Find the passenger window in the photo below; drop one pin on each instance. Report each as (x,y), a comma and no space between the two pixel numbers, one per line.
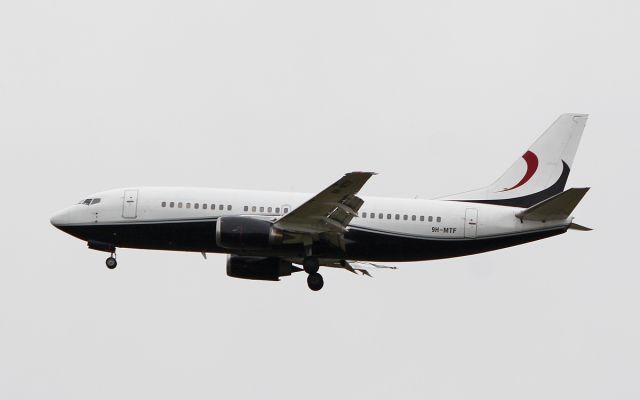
(405,217)
(388,216)
(438,219)
(171,204)
(364,215)
(95,201)
(270,209)
(188,205)
(277,210)
(430,219)
(246,208)
(220,207)
(422,218)
(253,209)
(164,204)
(381,216)
(229,207)
(372,215)
(261,209)
(286,210)
(179,204)
(213,206)
(413,217)
(196,205)
(204,206)
(397,216)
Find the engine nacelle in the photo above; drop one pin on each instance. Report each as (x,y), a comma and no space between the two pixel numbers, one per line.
(259,268)
(246,233)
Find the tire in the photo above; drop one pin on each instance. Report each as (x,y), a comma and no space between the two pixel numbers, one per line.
(111,263)
(315,282)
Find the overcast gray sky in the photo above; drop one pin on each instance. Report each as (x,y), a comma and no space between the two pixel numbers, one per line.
(437,96)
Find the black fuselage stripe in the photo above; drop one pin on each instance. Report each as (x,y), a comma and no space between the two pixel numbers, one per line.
(199,236)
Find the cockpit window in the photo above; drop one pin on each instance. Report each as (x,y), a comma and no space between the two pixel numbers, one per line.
(88,202)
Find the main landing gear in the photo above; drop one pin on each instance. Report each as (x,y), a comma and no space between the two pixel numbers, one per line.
(315,282)
(311,266)
(111,261)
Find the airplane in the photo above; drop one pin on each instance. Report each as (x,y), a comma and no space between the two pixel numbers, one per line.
(268,235)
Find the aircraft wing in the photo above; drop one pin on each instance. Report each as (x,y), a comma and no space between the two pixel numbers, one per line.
(330,211)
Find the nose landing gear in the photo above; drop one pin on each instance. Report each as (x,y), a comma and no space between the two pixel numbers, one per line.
(108,248)
(111,261)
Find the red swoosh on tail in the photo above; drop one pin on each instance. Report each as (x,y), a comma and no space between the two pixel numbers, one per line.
(532,167)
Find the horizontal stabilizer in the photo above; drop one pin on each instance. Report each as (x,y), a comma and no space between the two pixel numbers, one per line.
(557,207)
(577,227)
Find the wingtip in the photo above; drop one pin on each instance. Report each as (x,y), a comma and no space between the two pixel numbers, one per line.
(370,173)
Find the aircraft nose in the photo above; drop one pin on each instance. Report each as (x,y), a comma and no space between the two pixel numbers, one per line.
(56,220)
(60,218)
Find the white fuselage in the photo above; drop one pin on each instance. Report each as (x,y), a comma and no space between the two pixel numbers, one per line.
(410,218)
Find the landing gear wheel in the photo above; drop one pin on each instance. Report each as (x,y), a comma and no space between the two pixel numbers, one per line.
(111,263)
(315,281)
(311,265)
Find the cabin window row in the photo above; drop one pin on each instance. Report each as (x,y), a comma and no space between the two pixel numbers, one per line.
(204,206)
(269,210)
(405,217)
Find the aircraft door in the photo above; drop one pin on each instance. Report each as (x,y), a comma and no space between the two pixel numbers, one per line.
(471,223)
(130,204)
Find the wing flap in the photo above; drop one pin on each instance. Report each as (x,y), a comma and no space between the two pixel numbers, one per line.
(331,210)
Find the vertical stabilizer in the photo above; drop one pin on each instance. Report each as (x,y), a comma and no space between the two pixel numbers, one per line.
(540,173)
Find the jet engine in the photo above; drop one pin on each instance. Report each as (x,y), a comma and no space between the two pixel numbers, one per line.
(259,268)
(245,233)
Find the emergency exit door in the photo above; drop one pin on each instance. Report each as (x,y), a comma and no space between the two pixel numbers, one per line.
(471,223)
(130,204)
